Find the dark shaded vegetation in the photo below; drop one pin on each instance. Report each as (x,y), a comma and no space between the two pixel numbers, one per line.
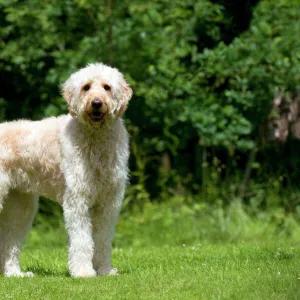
(204,74)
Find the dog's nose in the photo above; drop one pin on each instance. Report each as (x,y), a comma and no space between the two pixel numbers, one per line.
(96,103)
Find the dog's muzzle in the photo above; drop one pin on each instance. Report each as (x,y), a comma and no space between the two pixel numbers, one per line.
(97,112)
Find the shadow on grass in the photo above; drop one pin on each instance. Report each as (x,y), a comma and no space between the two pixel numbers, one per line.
(39,271)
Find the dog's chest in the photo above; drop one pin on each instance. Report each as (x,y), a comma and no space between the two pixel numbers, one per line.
(95,165)
(103,170)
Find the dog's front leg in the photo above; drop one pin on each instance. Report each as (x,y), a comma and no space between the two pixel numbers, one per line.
(105,217)
(79,228)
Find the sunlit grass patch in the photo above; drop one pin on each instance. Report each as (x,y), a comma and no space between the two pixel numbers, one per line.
(173,251)
(208,271)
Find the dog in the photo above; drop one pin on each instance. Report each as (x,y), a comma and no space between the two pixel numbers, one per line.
(79,160)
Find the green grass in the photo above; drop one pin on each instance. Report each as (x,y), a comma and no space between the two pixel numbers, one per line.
(190,272)
(170,252)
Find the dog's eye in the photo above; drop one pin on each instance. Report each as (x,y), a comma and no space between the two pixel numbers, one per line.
(107,87)
(86,87)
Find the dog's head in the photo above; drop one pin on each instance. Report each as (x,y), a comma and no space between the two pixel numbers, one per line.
(96,93)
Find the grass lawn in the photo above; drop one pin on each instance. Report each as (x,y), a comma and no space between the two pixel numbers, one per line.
(190,272)
(206,267)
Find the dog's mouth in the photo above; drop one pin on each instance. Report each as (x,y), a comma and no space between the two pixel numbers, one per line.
(96,116)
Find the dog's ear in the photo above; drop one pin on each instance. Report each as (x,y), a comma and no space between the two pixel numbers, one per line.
(66,91)
(126,94)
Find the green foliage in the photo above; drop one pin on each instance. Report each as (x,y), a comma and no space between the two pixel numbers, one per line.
(207,218)
(246,73)
(177,222)
(203,78)
(2,109)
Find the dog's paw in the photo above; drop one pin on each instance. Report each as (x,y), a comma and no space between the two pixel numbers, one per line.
(19,274)
(84,273)
(108,271)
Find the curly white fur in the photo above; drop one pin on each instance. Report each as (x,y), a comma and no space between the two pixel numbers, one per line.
(79,160)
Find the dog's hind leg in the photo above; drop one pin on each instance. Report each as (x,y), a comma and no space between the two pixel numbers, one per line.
(16,219)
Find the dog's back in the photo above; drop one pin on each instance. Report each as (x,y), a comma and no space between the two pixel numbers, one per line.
(30,155)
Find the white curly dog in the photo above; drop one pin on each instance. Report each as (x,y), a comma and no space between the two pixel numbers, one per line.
(79,160)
